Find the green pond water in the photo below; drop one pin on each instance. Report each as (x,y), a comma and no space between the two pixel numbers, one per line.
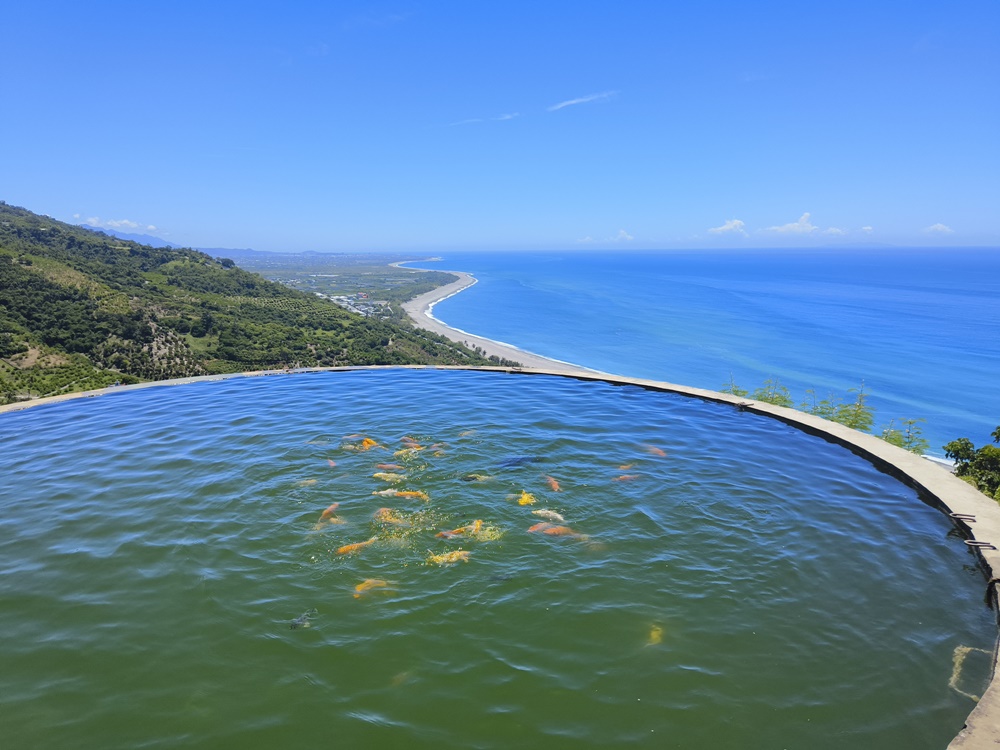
(722,580)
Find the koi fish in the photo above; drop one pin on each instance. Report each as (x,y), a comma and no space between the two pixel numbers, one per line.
(654,451)
(349,548)
(329,511)
(367,585)
(553,483)
(449,557)
(386,476)
(467,433)
(387,515)
(560,531)
(625,467)
(368,443)
(387,467)
(414,494)
(409,440)
(476,478)
(625,478)
(539,527)
(526,498)
(550,515)
(331,462)
(406,452)
(655,635)
(302,621)
(473,528)
(307,482)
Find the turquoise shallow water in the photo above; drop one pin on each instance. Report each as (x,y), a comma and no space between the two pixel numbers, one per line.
(747,586)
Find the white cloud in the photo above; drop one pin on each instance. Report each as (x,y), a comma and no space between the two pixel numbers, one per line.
(731,225)
(835,230)
(867,230)
(498,118)
(583,100)
(96,221)
(802,226)
(939,229)
(586,240)
(622,236)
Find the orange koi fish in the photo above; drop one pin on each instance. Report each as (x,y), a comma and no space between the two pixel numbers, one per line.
(329,511)
(553,483)
(349,548)
(414,494)
(389,467)
(388,515)
(654,451)
(560,531)
(331,462)
(625,478)
(539,527)
(367,585)
(625,467)
(449,557)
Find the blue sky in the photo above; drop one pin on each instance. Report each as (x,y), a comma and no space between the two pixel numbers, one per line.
(417,126)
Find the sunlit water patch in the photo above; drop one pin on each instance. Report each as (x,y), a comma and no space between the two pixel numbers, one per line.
(454,559)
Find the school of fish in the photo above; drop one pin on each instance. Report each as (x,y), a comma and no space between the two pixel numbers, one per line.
(387,519)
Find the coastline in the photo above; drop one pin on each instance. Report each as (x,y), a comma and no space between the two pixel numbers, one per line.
(421,312)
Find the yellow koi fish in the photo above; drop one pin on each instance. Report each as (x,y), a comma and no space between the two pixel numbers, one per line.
(526,498)
(655,635)
(388,515)
(357,546)
(367,585)
(449,557)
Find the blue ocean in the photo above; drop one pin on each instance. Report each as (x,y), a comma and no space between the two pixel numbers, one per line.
(919,328)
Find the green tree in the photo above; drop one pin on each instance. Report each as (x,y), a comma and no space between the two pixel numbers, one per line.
(980,468)
(734,389)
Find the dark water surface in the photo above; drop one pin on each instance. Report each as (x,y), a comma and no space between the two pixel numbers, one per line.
(754,587)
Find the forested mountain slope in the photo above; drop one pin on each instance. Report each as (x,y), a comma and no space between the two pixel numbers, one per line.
(80,310)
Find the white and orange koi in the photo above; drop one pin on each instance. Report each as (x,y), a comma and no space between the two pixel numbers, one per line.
(549,515)
(387,476)
(625,478)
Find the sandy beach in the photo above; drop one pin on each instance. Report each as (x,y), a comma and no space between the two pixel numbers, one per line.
(421,311)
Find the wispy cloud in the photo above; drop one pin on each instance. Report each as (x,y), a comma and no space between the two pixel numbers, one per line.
(802,226)
(867,230)
(622,236)
(498,118)
(938,229)
(734,226)
(837,231)
(603,96)
(96,221)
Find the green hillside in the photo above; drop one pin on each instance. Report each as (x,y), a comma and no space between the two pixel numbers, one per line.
(81,310)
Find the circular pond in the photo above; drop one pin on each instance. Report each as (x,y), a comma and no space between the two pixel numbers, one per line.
(617,566)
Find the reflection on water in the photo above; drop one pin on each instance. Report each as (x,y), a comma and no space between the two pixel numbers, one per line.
(447,559)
